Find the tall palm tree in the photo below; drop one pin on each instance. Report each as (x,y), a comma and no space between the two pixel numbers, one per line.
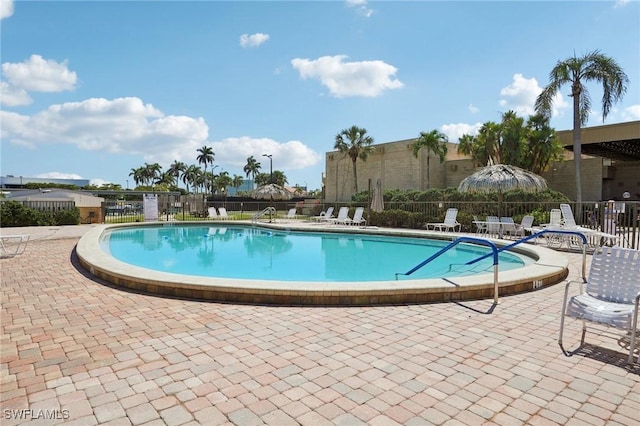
(190,176)
(252,168)
(151,173)
(177,168)
(576,71)
(435,142)
(237,181)
(205,156)
(138,175)
(354,142)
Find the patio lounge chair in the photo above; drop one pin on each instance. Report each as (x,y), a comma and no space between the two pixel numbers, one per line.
(291,214)
(595,238)
(357,217)
(611,296)
(343,216)
(212,214)
(525,227)
(13,245)
(223,213)
(493,226)
(324,216)
(450,222)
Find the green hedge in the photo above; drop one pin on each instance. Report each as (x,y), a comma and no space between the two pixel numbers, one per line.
(13,213)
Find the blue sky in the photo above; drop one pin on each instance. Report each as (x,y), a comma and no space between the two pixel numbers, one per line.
(93,89)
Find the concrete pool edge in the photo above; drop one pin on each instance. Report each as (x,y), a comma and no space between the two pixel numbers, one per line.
(549,268)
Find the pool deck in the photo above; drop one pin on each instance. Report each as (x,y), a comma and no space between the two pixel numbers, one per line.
(77,348)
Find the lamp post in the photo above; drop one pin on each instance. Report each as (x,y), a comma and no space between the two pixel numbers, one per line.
(270,166)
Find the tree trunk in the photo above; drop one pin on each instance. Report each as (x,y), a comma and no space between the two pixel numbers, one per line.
(577,146)
(355,175)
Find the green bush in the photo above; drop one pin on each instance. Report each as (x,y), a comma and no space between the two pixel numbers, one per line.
(14,213)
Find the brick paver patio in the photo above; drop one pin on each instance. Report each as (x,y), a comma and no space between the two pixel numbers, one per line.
(86,353)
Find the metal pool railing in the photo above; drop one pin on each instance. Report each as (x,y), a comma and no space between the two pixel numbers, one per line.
(494,253)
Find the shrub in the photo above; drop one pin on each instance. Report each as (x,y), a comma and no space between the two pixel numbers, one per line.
(14,213)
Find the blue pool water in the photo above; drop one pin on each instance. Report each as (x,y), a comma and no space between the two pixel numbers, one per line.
(258,253)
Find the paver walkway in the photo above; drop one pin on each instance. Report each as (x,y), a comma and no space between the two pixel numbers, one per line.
(79,350)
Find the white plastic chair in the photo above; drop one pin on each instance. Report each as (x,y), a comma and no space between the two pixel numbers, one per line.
(508,226)
(357,217)
(223,213)
(450,222)
(343,216)
(212,213)
(481,227)
(525,226)
(13,245)
(493,225)
(611,295)
(291,214)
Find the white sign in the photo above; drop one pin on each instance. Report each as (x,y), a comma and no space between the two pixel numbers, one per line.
(150,207)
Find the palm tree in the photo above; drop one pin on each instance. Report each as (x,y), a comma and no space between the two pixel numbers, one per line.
(151,173)
(252,168)
(176,169)
(237,181)
(435,142)
(593,66)
(138,175)
(205,157)
(356,144)
(190,176)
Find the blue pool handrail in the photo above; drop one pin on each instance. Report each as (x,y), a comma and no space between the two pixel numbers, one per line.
(494,252)
(535,236)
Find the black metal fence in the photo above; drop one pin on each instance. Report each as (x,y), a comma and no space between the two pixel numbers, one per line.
(625,224)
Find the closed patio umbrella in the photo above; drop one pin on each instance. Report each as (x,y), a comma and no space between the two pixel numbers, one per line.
(377,205)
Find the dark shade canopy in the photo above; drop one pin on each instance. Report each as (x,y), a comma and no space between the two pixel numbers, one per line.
(502,177)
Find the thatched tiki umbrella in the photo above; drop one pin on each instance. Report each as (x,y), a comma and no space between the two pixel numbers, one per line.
(502,177)
(271,192)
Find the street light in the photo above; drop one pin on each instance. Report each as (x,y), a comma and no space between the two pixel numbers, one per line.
(270,166)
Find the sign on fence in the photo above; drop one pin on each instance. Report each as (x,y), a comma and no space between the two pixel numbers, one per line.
(150,207)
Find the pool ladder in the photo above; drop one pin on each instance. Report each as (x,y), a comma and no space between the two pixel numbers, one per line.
(494,253)
(270,210)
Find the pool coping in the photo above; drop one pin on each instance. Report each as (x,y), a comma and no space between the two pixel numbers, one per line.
(550,267)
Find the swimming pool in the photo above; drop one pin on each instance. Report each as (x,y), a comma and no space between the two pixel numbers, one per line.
(544,267)
(245,252)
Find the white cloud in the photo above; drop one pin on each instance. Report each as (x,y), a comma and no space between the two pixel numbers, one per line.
(521,97)
(455,130)
(40,75)
(253,40)
(473,109)
(344,79)
(631,113)
(123,125)
(291,155)
(6,8)
(58,175)
(622,3)
(13,96)
(361,7)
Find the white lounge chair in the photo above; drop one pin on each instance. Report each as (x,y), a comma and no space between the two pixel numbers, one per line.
(212,214)
(525,226)
(291,214)
(13,245)
(594,237)
(343,216)
(450,222)
(222,211)
(611,295)
(357,217)
(324,216)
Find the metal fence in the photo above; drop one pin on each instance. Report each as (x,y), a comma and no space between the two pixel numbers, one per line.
(587,214)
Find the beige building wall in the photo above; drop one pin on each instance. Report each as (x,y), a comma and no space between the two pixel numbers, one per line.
(395,164)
